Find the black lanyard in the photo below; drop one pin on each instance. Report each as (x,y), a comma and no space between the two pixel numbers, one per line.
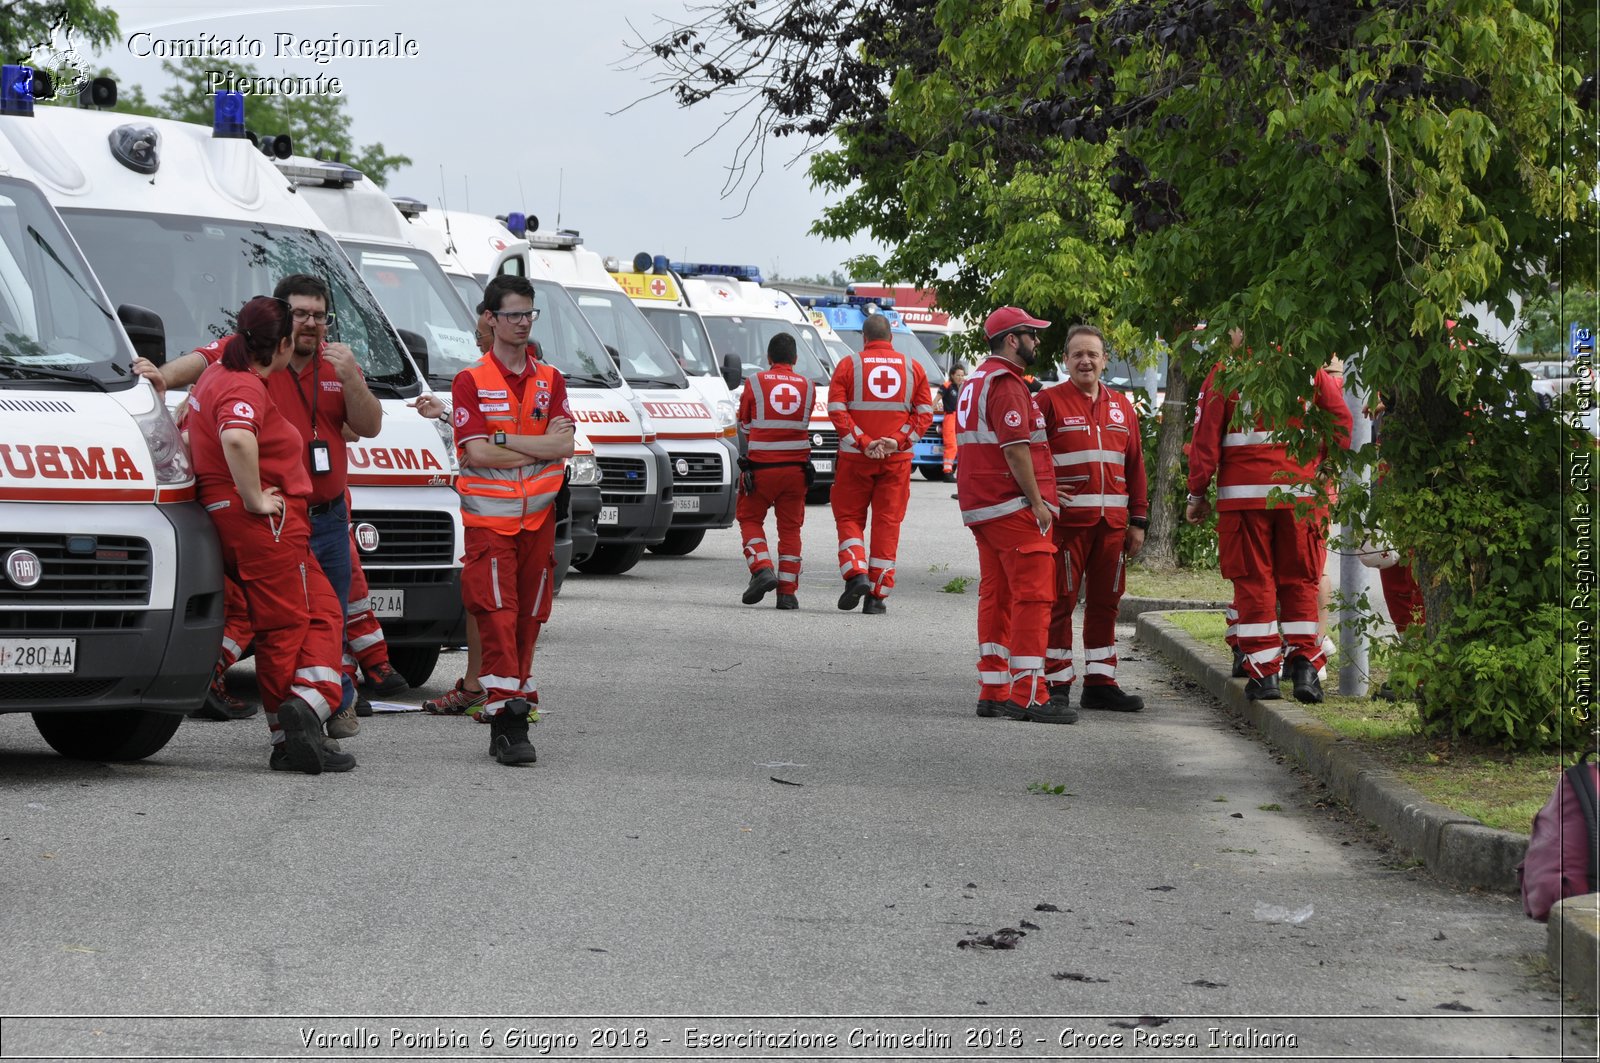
(316,385)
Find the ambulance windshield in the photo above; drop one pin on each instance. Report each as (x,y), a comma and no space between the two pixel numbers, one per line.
(567,340)
(686,336)
(907,344)
(469,288)
(197,272)
(52,316)
(416,297)
(748,336)
(641,355)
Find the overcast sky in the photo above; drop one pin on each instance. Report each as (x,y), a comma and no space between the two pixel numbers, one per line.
(516,103)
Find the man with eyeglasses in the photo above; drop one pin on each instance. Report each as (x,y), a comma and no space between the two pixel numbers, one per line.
(514,432)
(1005,498)
(322,392)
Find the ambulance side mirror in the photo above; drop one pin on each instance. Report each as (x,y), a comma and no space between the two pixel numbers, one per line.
(732,370)
(145,331)
(417,347)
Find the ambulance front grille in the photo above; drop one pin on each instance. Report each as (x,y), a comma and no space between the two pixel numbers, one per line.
(54,689)
(623,480)
(80,569)
(703,475)
(415,538)
(829,447)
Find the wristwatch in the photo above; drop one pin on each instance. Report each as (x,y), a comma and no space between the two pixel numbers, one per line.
(499,439)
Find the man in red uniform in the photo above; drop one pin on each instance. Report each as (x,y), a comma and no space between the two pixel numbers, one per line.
(1005,477)
(774,413)
(1273,558)
(513,434)
(1100,483)
(879,402)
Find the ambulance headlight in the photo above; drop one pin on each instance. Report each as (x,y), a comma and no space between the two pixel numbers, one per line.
(447,438)
(583,470)
(166,446)
(725,414)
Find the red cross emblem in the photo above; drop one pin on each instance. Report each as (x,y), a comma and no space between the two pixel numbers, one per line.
(884,382)
(658,287)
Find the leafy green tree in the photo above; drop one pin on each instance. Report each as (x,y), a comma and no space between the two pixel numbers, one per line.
(1333,177)
(53,36)
(318,124)
(1548,318)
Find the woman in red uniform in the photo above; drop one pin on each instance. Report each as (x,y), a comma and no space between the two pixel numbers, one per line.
(251,469)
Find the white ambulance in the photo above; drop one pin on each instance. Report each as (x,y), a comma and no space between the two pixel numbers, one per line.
(697,440)
(110,573)
(741,318)
(191,222)
(636,500)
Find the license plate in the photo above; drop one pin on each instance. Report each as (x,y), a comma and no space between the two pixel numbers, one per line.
(686,504)
(38,656)
(608,515)
(387,603)
(823,464)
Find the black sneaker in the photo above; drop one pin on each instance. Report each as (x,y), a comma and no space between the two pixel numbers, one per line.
(762,580)
(1238,665)
(363,706)
(874,606)
(988,709)
(383,679)
(855,588)
(508,734)
(302,735)
(1263,689)
(332,760)
(788,601)
(1111,697)
(1307,686)
(1052,711)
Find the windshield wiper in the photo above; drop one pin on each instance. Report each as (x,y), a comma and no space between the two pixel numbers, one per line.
(52,373)
(592,380)
(376,384)
(654,382)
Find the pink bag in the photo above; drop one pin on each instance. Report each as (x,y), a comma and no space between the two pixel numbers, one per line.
(1563,856)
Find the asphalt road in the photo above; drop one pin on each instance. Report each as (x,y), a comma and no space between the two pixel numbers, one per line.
(740,811)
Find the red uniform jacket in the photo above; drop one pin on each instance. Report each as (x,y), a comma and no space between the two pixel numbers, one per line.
(1097,453)
(879,392)
(995,411)
(775,415)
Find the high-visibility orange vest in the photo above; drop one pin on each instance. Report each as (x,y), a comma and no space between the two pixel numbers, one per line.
(508,501)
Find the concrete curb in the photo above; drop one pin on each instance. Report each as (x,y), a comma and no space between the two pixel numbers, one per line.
(1455,847)
(1130,608)
(1574,945)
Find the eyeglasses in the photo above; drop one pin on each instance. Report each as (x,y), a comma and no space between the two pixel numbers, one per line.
(316,317)
(517,315)
(1028,332)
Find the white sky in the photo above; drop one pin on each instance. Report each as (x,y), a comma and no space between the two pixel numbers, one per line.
(507,97)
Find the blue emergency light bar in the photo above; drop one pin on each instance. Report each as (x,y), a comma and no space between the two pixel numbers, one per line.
(16,90)
(716,269)
(227,116)
(861,302)
(517,222)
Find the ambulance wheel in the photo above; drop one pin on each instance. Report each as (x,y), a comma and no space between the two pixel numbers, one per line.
(107,734)
(818,496)
(932,472)
(416,663)
(611,559)
(679,543)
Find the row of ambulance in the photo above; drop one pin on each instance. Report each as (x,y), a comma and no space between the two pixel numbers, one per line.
(123,236)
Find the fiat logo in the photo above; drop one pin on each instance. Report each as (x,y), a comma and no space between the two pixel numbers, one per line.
(367,538)
(682,467)
(816,440)
(23,569)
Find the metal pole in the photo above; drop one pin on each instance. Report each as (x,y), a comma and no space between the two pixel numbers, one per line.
(1353,668)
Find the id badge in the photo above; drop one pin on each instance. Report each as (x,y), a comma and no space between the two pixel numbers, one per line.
(321,460)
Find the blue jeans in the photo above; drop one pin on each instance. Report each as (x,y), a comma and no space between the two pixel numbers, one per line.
(330,545)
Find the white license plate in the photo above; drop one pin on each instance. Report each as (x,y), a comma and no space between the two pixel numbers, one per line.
(38,656)
(387,603)
(608,514)
(823,464)
(686,504)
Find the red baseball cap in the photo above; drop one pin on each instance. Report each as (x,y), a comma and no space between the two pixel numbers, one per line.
(1008,318)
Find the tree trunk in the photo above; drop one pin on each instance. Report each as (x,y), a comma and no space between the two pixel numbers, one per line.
(1161,543)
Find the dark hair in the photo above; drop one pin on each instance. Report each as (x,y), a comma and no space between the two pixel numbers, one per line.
(263,322)
(1087,330)
(876,327)
(302,284)
(781,348)
(495,292)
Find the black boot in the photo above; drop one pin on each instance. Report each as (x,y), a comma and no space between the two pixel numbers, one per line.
(762,580)
(508,734)
(787,601)
(874,606)
(1110,697)
(1263,689)
(1307,687)
(1238,665)
(855,588)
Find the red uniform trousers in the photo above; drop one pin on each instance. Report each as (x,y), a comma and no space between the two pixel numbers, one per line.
(363,635)
(1275,563)
(507,584)
(885,486)
(1015,588)
(236,633)
(782,488)
(1088,561)
(1402,595)
(947,432)
(290,605)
